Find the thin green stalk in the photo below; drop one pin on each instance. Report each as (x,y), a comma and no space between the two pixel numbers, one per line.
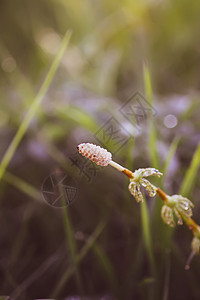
(70,238)
(153,148)
(77,115)
(152,135)
(34,107)
(105,264)
(147,234)
(148,244)
(147,84)
(129,162)
(191,173)
(170,155)
(70,271)
(22,185)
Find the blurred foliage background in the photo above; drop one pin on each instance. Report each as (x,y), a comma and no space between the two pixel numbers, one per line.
(104,245)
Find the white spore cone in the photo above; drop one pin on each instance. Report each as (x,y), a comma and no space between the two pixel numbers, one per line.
(95,153)
(100,156)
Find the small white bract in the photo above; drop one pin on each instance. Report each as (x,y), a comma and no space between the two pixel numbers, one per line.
(167,215)
(138,179)
(195,245)
(95,153)
(178,205)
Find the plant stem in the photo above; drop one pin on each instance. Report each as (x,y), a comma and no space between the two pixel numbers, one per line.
(161,194)
(191,224)
(121,169)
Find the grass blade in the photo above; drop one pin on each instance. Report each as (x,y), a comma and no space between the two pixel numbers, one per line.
(34,107)
(23,186)
(71,243)
(70,271)
(105,264)
(152,132)
(78,116)
(170,155)
(148,244)
(147,84)
(191,173)
(153,147)
(146,233)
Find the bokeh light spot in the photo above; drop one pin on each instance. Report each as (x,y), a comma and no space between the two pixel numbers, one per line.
(170,121)
(8,64)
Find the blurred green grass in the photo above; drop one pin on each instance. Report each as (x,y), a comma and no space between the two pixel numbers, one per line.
(116,48)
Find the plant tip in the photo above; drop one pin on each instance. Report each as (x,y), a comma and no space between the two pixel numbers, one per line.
(95,153)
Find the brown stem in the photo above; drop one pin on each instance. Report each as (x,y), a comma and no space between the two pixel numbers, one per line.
(162,195)
(192,225)
(128,173)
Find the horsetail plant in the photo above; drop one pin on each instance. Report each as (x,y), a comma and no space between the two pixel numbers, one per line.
(175,206)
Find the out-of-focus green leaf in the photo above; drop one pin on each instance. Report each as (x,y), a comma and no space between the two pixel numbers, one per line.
(191,173)
(147,233)
(170,155)
(34,107)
